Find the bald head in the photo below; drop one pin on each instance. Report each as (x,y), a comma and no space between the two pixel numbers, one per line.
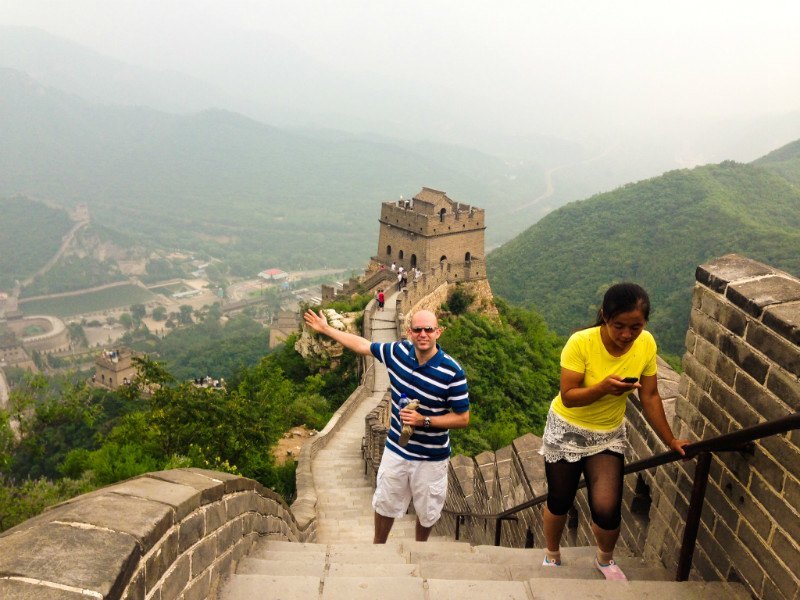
(424,318)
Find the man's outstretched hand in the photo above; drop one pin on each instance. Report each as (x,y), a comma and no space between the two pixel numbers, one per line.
(315,321)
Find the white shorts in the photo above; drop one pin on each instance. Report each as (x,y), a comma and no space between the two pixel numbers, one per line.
(400,480)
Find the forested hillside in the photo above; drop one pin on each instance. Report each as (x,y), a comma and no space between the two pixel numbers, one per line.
(231,186)
(654,232)
(30,234)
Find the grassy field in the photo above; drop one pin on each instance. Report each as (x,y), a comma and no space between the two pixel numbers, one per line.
(115,297)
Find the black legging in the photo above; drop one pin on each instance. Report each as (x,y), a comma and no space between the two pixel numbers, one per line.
(603,474)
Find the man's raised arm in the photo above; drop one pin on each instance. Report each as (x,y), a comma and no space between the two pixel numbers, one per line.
(353,342)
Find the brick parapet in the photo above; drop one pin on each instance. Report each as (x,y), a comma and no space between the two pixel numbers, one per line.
(741,368)
(162,535)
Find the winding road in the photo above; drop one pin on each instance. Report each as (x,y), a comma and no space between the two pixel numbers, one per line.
(548,179)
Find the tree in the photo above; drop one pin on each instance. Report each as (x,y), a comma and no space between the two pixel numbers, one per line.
(126,320)
(138,312)
(185,316)
(160,313)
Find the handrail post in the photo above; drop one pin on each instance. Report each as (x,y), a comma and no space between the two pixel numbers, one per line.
(458,526)
(693,516)
(497,530)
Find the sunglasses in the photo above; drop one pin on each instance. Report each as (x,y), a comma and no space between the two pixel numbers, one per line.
(425,329)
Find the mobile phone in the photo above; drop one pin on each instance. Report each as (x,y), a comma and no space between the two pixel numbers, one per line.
(630,380)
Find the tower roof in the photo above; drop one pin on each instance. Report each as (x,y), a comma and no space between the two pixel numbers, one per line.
(436,198)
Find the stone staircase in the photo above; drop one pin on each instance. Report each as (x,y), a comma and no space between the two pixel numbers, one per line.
(441,570)
(345,565)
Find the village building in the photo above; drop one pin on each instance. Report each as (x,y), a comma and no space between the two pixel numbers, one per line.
(273,275)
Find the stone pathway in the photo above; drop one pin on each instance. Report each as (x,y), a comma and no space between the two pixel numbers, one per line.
(344,495)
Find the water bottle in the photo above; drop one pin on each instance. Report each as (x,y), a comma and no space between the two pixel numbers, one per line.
(408,430)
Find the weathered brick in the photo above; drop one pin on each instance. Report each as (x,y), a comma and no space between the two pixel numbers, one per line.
(791,491)
(238,504)
(713,412)
(736,407)
(135,589)
(744,356)
(774,347)
(216,516)
(718,273)
(707,363)
(754,296)
(782,514)
(785,453)
(785,386)
(198,589)
(203,555)
(718,503)
(176,580)
(767,405)
(785,320)
(161,560)
(190,530)
(723,312)
(705,327)
(741,560)
(787,551)
(774,569)
(690,340)
(766,466)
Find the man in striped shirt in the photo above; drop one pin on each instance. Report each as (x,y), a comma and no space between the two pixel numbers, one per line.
(421,370)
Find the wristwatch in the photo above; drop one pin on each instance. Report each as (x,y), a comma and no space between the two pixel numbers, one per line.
(426,422)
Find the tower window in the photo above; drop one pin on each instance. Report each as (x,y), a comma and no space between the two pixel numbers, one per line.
(389,250)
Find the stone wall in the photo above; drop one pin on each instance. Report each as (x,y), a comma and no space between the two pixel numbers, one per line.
(166,535)
(741,366)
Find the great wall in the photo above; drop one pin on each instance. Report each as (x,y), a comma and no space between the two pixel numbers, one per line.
(191,534)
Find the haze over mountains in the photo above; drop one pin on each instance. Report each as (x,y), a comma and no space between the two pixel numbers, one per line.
(654,232)
(204,154)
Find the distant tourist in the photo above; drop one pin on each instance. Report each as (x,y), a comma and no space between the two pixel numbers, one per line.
(418,370)
(394,267)
(585,432)
(381,299)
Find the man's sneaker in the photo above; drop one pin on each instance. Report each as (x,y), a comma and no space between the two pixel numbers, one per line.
(550,563)
(611,571)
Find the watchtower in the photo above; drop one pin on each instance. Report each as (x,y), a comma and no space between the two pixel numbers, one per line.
(432,231)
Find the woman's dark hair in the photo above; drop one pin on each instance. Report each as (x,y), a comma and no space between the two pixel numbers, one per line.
(621,298)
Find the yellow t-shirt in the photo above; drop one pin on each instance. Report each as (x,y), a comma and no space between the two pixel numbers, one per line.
(585,353)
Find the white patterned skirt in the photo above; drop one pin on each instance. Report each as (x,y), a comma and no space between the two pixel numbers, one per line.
(563,440)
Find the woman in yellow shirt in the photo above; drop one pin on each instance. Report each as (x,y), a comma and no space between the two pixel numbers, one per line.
(585,430)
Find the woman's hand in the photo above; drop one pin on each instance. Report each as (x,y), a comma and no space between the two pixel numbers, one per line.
(614,386)
(677,445)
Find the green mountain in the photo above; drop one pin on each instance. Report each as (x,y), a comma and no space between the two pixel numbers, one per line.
(654,232)
(30,234)
(235,188)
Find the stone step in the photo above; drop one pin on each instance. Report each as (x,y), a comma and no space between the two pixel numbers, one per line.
(404,585)
(546,589)
(271,587)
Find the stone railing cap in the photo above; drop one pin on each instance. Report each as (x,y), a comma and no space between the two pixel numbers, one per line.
(87,558)
(718,273)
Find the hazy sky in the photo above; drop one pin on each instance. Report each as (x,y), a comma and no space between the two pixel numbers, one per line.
(544,64)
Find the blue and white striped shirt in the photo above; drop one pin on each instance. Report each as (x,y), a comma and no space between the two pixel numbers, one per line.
(440,385)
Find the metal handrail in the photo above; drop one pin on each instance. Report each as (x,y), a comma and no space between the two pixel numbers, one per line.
(741,440)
